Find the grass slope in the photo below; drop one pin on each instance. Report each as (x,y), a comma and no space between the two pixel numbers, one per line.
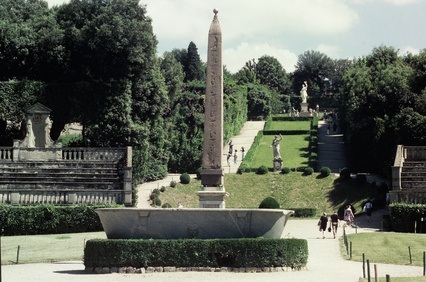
(291,190)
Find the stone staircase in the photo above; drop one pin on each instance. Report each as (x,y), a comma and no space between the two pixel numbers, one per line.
(413,175)
(69,175)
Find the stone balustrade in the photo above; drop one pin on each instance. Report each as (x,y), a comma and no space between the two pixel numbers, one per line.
(60,197)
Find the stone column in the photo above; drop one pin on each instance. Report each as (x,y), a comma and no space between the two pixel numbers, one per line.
(212,191)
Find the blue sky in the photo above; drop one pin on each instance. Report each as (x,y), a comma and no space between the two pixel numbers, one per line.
(286,29)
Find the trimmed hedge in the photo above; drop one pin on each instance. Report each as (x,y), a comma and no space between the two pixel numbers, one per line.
(404,216)
(303,212)
(49,219)
(247,252)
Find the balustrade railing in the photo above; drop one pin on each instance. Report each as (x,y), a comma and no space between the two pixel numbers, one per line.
(6,153)
(57,197)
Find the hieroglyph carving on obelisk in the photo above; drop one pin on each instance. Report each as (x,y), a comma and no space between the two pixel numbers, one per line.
(212,172)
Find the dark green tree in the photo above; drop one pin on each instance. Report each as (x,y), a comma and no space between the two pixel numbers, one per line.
(193,66)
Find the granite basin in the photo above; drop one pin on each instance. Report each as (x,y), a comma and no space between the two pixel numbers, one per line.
(152,223)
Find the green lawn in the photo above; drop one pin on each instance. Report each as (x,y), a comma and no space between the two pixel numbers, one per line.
(292,191)
(45,248)
(290,125)
(293,150)
(387,247)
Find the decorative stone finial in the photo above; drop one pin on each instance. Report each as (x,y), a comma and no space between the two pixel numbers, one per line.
(215,11)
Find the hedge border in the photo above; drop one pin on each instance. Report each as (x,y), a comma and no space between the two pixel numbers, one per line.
(236,253)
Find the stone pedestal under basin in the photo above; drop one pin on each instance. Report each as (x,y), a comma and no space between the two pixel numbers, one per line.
(137,223)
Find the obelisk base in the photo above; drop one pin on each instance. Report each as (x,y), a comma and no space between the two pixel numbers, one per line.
(304,107)
(212,197)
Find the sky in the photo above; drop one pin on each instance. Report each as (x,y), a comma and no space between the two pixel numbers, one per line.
(285,29)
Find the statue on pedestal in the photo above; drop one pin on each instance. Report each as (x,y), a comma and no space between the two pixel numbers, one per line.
(276,146)
(304,92)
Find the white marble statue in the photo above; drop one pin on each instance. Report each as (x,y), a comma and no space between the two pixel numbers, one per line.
(304,92)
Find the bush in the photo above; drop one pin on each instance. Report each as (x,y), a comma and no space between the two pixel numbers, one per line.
(404,217)
(262,170)
(361,178)
(49,219)
(156,191)
(269,203)
(345,174)
(198,172)
(173,184)
(166,206)
(308,171)
(215,253)
(185,178)
(304,212)
(163,189)
(243,168)
(325,171)
(285,170)
(157,202)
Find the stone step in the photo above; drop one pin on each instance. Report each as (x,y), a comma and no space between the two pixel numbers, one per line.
(414,164)
(57,164)
(59,171)
(46,185)
(413,184)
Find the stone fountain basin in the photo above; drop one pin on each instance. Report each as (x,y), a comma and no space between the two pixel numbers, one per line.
(137,223)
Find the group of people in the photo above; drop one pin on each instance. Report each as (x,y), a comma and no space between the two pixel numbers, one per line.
(348,217)
(324,222)
(232,151)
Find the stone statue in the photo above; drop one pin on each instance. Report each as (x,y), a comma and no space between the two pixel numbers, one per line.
(304,92)
(276,147)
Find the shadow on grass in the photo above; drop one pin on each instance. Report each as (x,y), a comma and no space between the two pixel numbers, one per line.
(349,191)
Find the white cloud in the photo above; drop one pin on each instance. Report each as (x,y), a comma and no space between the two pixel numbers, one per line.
(402,2)
(235,58)
(408,49)
(329,50)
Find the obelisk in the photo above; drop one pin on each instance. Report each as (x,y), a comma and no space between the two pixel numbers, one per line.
(212,192)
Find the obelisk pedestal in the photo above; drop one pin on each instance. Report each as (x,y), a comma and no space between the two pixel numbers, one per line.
(212,192)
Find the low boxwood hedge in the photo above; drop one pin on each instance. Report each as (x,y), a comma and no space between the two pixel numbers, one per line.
(247,252)
(49,219)
(404,217)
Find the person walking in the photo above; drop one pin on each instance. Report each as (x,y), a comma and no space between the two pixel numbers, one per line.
(348,215)
(243,151)
(369,209)
(235,157)
(322,223)
(334,223)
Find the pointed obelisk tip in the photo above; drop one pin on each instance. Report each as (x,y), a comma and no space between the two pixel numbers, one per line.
(215,11)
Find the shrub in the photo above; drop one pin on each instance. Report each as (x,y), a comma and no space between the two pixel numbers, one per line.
(198,172)
(361,178)
(215,253)
(166,206)
(156,191)
(185,178)
(152,196)
(243,168)
(262,170)
(157,202)
(173,184)
(285,170)
(345,174)
(325,171)
(308,171)
(49,219)
(269,203)
(163,189)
